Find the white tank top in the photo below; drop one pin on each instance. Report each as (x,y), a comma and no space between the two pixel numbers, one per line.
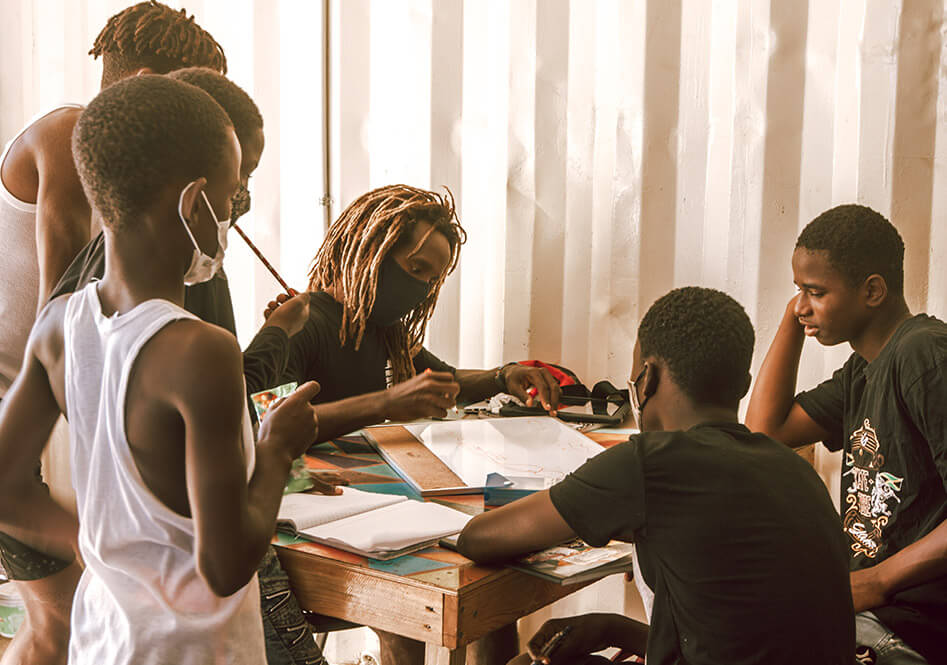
(19,279)
(141,599)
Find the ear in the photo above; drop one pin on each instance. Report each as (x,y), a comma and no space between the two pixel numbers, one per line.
(142,71)
(653,373)
(190,199)
(876,290)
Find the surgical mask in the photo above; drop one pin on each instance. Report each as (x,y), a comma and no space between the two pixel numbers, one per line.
(633,395)
(203,267)
(397,293)
(240,203)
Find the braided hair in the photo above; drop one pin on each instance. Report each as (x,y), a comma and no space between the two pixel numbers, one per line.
(151,34)
(358,242)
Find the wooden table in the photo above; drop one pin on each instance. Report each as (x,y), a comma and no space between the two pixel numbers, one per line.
(436,595)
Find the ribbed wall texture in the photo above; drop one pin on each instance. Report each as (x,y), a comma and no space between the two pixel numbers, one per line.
(602,152)
(606,152)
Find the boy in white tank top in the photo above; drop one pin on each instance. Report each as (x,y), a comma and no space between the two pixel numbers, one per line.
(45,220)
(176,504)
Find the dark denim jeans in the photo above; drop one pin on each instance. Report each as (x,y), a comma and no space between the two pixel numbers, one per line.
(288,635)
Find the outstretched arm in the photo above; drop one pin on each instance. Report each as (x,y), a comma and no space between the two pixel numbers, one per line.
(526,525)
(772,409)
(427,395)
(532,385)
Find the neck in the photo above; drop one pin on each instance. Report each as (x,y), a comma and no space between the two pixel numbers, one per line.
(873,338)
(681,413)
(137,269)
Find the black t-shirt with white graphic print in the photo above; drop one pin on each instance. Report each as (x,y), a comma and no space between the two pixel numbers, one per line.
(890,419)
(737,537)
(317,354)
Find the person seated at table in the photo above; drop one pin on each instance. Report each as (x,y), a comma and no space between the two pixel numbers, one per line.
(737,541)
(886,409)
(176,502)
(373,288)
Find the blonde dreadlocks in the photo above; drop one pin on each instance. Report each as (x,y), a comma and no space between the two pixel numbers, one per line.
(151,34)
(359,241)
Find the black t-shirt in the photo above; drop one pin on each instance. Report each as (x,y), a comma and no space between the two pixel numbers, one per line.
(890,418)
(737,537)
(264,360)
(317,354)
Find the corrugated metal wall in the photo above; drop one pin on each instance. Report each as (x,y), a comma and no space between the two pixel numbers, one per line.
(605,152)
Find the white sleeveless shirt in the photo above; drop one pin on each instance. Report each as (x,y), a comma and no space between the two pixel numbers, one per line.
(19,279)
(141,599)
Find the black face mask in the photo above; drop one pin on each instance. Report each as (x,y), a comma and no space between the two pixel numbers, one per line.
(239,203)
(397,293)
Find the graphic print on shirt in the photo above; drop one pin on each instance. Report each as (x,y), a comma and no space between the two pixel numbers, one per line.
(869,493)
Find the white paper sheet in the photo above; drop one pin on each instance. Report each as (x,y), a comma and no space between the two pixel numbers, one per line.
(532,447)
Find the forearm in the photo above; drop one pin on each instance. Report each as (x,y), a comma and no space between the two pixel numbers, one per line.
(347,415)
(231,556)
(775,386)
(476,384)
(527,525)
(626,634)
(32,516)
(922,561)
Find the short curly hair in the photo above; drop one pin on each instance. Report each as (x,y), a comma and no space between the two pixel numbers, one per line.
(140,134)
(859,242)
(706,339)
(243,111)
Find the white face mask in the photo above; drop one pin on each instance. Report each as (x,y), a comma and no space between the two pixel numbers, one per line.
(204,267)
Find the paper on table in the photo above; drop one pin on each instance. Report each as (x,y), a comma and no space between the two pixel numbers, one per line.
(391,528)
(534,447)
(308,510)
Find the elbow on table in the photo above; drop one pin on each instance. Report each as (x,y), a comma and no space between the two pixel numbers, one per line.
(476,544)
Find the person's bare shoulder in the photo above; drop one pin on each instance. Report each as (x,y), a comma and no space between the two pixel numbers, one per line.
(189,360)
(44,145)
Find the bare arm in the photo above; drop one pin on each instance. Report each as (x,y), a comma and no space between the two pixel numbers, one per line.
(63,216)
(529,524)
(529,384)
(234,521)
(426,395)
(772,409)
(29,412)
(919,562)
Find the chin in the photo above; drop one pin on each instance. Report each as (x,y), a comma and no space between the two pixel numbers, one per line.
(826,339)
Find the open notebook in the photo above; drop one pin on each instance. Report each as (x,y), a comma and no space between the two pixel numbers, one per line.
(379,526)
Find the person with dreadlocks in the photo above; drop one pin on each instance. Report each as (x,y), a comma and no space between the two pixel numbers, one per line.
(373,287)
(45,220)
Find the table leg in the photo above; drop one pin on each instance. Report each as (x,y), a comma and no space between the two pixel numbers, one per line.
(435,655)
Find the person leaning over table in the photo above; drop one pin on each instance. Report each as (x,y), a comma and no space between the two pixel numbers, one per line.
(373,288)
(737,541)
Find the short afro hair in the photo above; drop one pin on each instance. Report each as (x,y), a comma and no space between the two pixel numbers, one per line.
(140,135)
(859,242)
(242,110)
(706,339)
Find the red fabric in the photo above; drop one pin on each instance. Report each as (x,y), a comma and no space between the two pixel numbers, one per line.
(560,376)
